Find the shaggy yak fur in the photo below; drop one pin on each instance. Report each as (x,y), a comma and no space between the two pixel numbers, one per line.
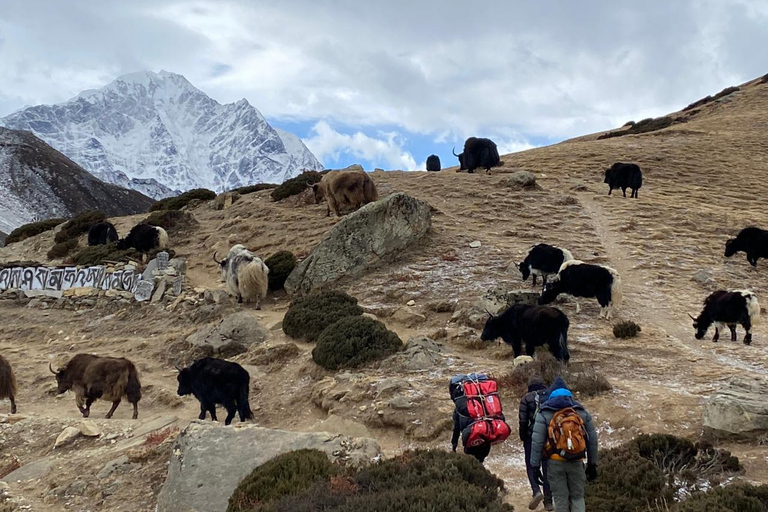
(247,277)
(751,240)
(586,280)
(8,386)
(94,377)
(624,176)
(144,238)
(723,308)
(433,163)
(345,190)
(535,326)
(478,153)
(102,233)
(215,381)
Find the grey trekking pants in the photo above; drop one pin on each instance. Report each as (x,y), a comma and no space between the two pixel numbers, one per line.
(567,480)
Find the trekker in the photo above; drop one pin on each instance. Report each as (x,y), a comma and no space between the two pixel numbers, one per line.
(564,433)
(529,407)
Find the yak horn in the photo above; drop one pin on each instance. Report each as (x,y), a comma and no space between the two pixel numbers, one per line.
(177,367)
(454,151)
(214,258)
(50,367)
(692,317)
(489,313)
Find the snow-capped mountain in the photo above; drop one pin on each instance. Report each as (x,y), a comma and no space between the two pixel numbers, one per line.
(157,133)
(37,182)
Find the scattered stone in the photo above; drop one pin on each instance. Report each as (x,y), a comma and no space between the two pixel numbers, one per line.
(522,180)
(151,267)
(67,436)
(32,471)
(144,290)
(472,316)
(157,296)
(180,264)
(216,296)
(177,285)
(500,298)
(225,200)
(475,244)
(189,485)
(410,303)
(89,429)
(338,425)
(111,467)
(521,360)
(232,336)
(408,317)
(420,353)
(400,402)
(56,294)
(441,306)
(374,233)
(738,409)
(703,277)
(163,258)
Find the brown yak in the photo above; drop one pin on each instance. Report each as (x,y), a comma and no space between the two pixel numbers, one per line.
(345,189)
(7,383)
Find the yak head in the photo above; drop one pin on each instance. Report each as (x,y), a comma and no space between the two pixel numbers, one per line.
(185,381)
(608,176)
(491,329)
(700,326)
(550,292)
(731,247)
(460,156)
(63,379)
(525,269)
(318,192)
(222,267)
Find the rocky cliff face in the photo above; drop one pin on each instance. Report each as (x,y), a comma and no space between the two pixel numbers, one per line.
(157,133)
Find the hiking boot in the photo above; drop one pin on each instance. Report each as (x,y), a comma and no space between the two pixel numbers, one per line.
(535,501)
(548,505)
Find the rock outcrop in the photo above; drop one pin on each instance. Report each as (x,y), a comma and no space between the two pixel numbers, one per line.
(232,336)
(208,462)
(738,409)
(374,233)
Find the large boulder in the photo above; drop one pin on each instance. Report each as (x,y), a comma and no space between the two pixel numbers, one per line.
(420,354)
(208,461)
(232,336)
(522,180)
(375,232)
(738,409)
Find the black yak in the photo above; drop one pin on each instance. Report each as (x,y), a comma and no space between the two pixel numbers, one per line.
(543,260)
(751,240)
(94,377)
(215,381)
(478,153)
(535,326)
(586,280)
(433,163)
(723,308)
(102,233)
(624,176)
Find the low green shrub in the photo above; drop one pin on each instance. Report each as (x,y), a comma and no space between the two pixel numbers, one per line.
(354,341)
(584,380)
(250,189)
(78,225)
(101,254)
(725,92)
(290,473)
(733,498)
(296,185)
(646,125)
(32,229)
(280,265)
(173,221)
(416,481)
(626,329)
(62,249)
(180,201)
(308,316)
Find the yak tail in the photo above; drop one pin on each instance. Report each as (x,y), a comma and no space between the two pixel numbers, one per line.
(564,345)
(133,386)
(243,407)
(753,306)
(253,280)
(162,238)
(616,289)
(8,387)
(369,190)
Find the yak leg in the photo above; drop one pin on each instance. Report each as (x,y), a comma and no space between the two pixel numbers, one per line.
(203,411)
(229,404)
(112,410)
(212,410)
(717,335)
(88,403)
(530,348)
(732,327)
(534,279)
(610,190)
(624,190)
(135,411)
(747,326)
(13,405)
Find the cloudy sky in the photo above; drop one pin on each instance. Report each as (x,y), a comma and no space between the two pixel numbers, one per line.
(387,83)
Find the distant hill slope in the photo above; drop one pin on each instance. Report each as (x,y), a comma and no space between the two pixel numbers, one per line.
(38,182)
(157,133)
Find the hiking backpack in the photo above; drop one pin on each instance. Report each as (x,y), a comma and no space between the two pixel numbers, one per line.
(567,437)
(476,398)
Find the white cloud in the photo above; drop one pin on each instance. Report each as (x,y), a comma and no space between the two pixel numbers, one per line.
(325,142)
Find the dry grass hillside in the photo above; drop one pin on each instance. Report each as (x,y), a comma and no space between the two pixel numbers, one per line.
(704,179)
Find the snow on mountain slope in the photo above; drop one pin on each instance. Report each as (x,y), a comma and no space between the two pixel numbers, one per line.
(157,133)
(38,182)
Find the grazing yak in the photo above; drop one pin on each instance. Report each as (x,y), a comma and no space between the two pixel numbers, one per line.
(723,308)
(535,326)
(246,275)
(478,153)
(348,190)
(215,381)
(433,163)
(95,377)
(543,260)
(751,240)
(624,176)
(102,233)
(586,280)
(144,238)
(8,387)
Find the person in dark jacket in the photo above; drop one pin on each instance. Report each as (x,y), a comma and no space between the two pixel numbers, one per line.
(459,424)
(567,478)
(529,407)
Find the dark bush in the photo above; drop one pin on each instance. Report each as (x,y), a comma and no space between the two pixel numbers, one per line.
(101,254)
(250,189)
(626,329)
(32,229)
(725,92)
(280,266)
(308,316)
(173,221)
(644,126)
(79,225)
(296,185)
(708,99)
(180,201)
(290,473)
(354,341)
(62,249)
(584,379)
(629,123)
(668,453)
(417,481)
(698,103)
(734,498)
(764,79)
